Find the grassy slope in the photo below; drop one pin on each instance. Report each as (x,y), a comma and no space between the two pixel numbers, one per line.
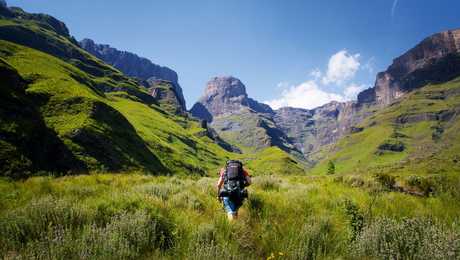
(165,138)
(273,161)
(125,132)
(431,145)
(137,216)
(245,132)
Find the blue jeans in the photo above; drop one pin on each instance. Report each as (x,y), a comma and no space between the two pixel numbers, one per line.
(230,206)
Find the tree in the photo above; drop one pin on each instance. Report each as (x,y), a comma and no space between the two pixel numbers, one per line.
(330,167)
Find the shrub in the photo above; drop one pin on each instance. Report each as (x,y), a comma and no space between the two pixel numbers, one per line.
(29,223)
(356,218)
(392,145)
(386,180)
(127,235)
(414,238)
(425,185)
(330,167)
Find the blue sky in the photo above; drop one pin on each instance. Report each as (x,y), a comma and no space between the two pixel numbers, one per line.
(293,52)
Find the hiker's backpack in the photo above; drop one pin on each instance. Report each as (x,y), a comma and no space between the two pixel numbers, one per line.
(234,181)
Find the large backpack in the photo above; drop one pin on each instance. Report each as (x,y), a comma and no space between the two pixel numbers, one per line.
(234,180)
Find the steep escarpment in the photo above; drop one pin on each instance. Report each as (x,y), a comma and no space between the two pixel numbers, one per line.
(435,60)
(134,66)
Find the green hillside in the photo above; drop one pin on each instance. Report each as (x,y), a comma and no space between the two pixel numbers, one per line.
(416,136)
(87,128)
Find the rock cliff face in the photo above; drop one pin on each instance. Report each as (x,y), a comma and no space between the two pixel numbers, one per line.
(134,66)
(309,130)
(225,95)
(165,95)
(435,59)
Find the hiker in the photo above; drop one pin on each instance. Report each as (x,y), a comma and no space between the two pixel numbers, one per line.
(233,179)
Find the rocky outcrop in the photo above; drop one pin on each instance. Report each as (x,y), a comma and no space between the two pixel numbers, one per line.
(435,59)
(309,130)
(134,66)
(166,96)
(225,95)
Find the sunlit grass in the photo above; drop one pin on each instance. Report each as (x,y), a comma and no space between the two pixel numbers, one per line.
(302,217)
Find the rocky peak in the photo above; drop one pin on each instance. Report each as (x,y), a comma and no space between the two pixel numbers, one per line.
(3,3)
(225,95)
(435,59)
(225,88)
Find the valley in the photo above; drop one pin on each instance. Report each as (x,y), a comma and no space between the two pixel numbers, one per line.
(100,158)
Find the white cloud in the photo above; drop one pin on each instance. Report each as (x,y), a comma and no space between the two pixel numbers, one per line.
(306,95)
(282,85)
(369,66)
(342,67)
(316,73)
(393,8)
(352,91)
(341,71)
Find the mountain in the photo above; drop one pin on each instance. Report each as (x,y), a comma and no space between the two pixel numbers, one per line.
(408,121)
(312,129)
(311,132)
(134,66)
(238,119)
(226,95)
(65,111)
(417,134)
(435,60)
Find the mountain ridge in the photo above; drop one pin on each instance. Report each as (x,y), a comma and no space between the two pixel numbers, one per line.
(135,66)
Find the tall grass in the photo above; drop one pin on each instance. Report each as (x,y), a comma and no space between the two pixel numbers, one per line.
(137,216)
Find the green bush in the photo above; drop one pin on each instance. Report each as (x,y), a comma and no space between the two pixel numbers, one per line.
(392,145)
(330,167)
(410,238)
(386,180)
(356,218)
(425,185)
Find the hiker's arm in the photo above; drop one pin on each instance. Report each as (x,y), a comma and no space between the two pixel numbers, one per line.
(220,182)
(248,180)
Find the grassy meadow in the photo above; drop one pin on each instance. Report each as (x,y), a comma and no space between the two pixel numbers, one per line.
(135,216)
